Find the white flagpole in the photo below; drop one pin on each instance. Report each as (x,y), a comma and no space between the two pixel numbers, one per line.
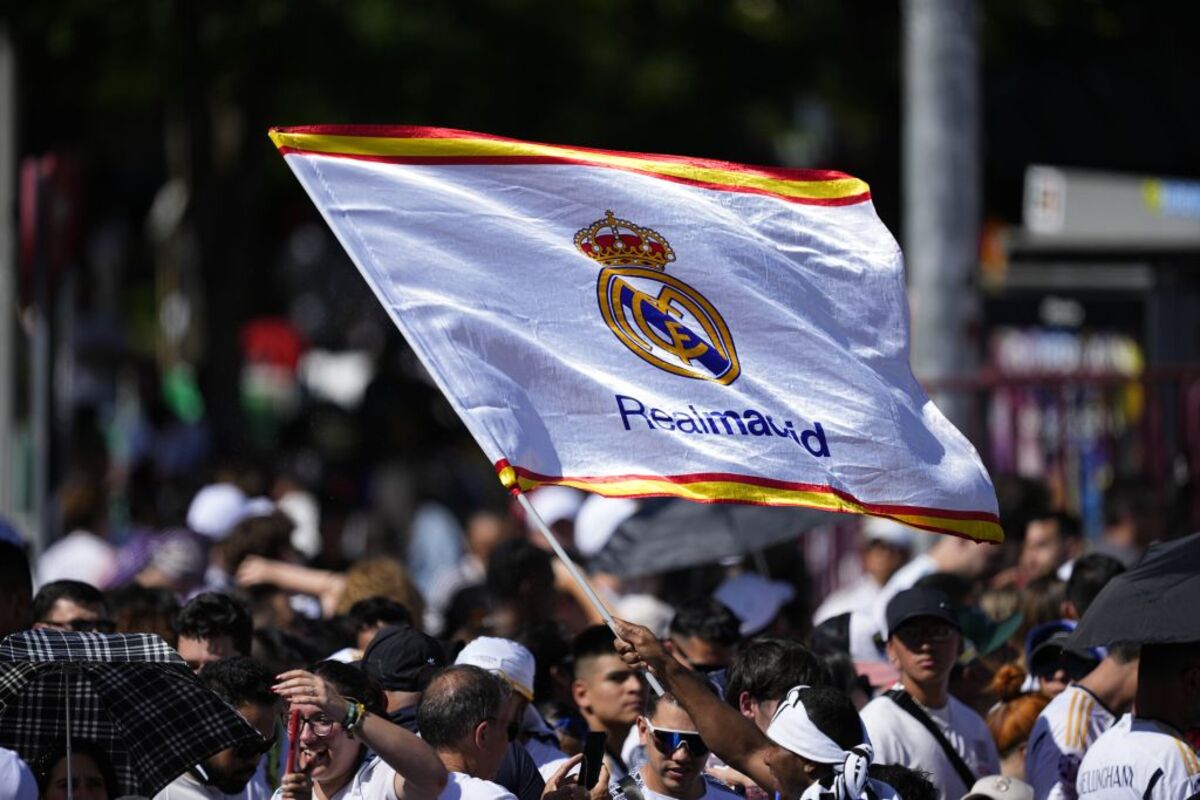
(592,597)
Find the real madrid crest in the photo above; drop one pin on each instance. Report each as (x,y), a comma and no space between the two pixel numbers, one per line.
(659,317)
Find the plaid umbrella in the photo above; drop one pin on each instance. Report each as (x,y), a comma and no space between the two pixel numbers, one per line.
(130,694)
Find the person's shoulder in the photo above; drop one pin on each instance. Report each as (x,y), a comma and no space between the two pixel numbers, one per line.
(468,787)
(881,708)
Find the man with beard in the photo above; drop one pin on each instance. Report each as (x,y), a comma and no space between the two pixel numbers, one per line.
(230,773)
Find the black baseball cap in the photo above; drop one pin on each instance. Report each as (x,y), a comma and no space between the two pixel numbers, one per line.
(920,602)
(403,659)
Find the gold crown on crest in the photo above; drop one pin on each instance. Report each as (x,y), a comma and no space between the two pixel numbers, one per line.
(618,242)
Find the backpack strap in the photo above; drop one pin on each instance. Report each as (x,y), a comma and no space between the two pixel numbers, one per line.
(905,701)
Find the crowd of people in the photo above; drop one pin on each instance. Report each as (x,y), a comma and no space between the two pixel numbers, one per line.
(468,664)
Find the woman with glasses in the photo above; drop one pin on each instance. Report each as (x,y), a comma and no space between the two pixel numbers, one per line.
(343,719)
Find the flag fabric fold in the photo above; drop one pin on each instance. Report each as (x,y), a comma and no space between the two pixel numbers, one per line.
(644,325)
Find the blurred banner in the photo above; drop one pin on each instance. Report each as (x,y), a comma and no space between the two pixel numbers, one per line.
(638,325)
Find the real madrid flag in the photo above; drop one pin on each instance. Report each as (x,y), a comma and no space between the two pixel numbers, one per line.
(639,325)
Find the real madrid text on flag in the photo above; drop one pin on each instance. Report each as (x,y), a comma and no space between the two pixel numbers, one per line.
(640,325)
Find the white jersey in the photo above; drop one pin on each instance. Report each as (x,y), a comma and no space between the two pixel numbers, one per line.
(1139,759)
(1063,732)
(898,738)
(465,787)
(712,789)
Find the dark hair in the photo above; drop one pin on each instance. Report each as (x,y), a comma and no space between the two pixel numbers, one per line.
(1089,575)
(456,701)
(144,609)
(707,618)
(550,649)
(78,592)
(16,586)
(513,564)
(45,762)
(1042,601)
(240,679)
(351,681)
(211,615)
(911,784)
(281,650)
(268,535)
(1160,661)
(767,667)
(843,675)
(1125,652)
(1068,524)
(654,699)
(834,714)
(467,603)
(372,611)
(592,642)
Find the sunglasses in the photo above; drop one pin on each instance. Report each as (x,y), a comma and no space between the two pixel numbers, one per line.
(668,741)
(248,750)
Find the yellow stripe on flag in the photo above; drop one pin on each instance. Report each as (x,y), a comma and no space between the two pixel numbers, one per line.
(395,147)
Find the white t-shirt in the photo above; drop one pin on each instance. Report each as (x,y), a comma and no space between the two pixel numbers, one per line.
(1063,732)
(1139,759)
(188,787)
(375,780)
(858,596)
(464,787)
(712,790)
(16,781)
(898,738)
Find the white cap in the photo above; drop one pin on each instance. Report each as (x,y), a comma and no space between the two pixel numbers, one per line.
(598,519)
(998,787)
(648,610)
(215,510)
(888,531)
(754,599)
(555,503)
(16,779)
(510,660)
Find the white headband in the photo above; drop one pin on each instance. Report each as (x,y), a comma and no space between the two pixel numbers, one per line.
(792,730)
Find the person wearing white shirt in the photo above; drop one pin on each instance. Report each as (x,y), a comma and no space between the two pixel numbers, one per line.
(234,772)
(1074,719)
(336,734)
(924,642)
(799,756)
(675,758)
(886,547)
(1146,755)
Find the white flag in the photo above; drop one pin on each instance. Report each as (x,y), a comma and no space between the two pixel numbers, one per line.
(640,325)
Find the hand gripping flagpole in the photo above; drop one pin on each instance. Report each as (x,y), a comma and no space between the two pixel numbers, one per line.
(592,597)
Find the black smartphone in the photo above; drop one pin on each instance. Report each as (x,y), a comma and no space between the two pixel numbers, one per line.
(593,758)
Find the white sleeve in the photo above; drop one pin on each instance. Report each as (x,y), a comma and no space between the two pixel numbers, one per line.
(884,741)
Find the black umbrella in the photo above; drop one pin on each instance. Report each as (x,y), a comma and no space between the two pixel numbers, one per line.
(130,694)
(671,534)
(1153,603)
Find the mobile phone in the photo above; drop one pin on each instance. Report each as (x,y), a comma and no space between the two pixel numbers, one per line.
(593,757)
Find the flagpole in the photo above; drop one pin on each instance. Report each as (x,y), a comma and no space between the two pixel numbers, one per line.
(572,568)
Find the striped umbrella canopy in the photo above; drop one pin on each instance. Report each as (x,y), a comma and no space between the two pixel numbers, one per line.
(130,695)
